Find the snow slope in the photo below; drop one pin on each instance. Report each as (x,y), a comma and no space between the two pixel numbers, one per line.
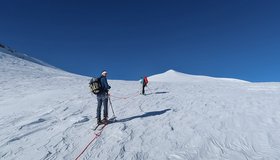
(48,114)
(8,50)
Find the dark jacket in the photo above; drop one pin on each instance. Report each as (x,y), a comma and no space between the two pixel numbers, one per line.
(104,84)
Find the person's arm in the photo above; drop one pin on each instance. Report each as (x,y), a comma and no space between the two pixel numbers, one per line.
(105,84)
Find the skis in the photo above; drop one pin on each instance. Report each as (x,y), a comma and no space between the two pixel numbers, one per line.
(111,120)
(95,128)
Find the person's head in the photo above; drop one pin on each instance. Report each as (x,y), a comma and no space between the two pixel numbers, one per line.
(104,73)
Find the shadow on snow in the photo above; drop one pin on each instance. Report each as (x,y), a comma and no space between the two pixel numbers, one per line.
(148,114)
(156,93)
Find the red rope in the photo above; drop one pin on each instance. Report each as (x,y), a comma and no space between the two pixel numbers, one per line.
(96,135)
(125,97)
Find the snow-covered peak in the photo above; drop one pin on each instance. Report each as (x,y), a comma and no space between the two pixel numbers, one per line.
(171,71)
(169,76)
(16,68)
(13,52)
(175,76)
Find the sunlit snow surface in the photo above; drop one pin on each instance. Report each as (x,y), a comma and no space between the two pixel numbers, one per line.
(48,114)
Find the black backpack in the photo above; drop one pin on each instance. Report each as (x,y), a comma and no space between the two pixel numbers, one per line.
(95,85)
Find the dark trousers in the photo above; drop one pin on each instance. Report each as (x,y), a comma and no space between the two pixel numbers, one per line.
(143,88)
(102,99)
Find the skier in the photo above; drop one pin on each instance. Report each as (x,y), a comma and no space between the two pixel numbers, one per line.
(102,97)
(144,82)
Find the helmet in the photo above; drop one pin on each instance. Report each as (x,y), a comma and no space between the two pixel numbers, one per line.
(104,73)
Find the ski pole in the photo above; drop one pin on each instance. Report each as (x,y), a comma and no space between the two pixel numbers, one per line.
(111,106)
(151,90)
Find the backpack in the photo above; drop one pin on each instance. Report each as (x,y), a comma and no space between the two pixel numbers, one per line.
(95,85)
(146,81)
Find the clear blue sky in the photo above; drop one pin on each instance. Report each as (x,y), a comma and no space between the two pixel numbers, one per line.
(131,38)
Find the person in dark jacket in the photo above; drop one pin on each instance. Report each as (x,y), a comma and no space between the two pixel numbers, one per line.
(102,98)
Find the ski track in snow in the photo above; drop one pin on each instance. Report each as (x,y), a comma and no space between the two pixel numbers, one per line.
(48,114)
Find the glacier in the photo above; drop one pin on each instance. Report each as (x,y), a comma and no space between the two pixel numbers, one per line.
(47,113)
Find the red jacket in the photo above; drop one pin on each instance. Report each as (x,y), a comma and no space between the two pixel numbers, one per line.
(146,80)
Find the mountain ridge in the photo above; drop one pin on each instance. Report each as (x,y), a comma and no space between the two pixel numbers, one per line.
(175,76)
(13,52)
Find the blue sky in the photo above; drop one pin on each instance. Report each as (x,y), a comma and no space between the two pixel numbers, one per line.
(234,38)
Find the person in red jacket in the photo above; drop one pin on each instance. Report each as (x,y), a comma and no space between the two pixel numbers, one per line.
(144,81)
